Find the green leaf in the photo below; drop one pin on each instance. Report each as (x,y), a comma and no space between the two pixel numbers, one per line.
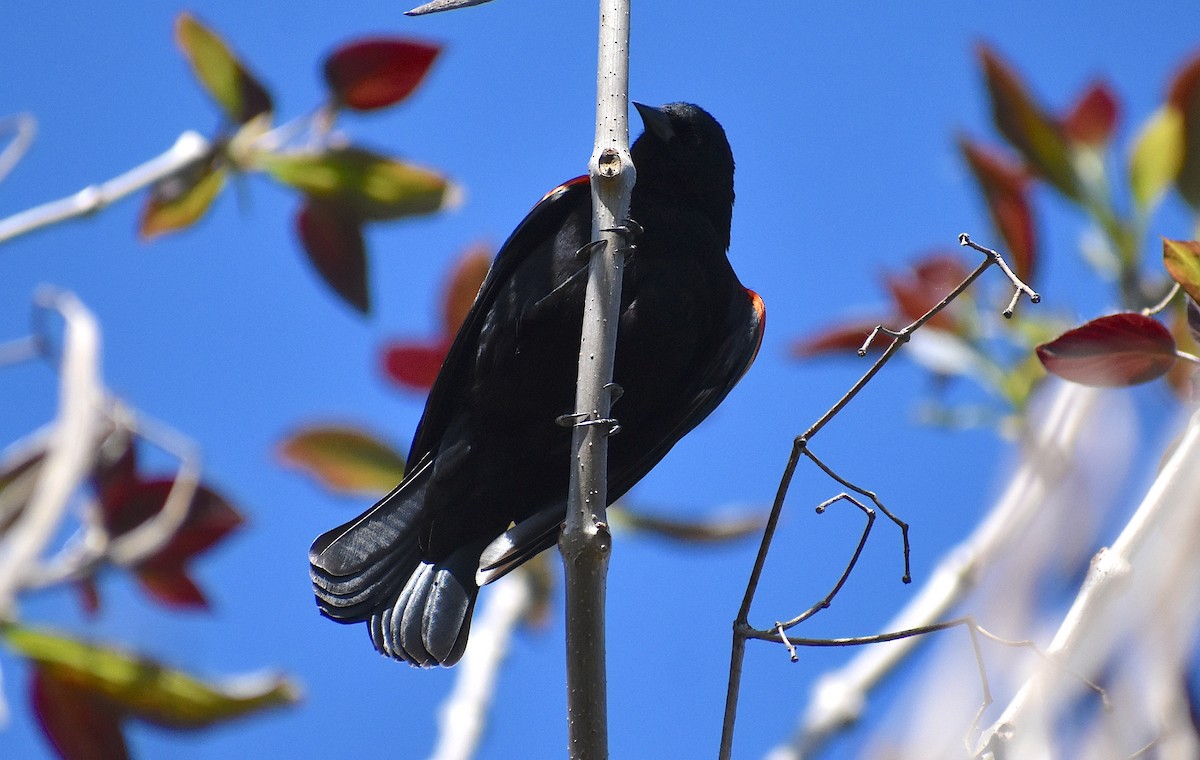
(1182,259)
(144,688)
(344,458)
(229,83)
(374,186)
(1156,157)
(1035,135)
(180,200)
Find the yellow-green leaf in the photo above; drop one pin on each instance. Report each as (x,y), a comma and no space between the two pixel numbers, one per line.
(344,458)
(373,185)
(1157,156)
(144,688)
(1182,259)
(180,200)
(229,83)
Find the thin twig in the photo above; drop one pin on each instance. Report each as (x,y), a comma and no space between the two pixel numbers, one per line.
(1150,311)
(841,581)
(1019,286)
(189,147)
(23,128)
(741,626)
(837,698)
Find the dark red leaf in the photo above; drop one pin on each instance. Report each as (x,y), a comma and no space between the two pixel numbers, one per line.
(1114,351)
(1026,126)
(1005,188)
(1093,118)
(172,586)
(415,365)
(465,281)
(79,725)
(89,595)
(374,73)
(332,238)
(210,518)
(1184,96)
(929,281)
(845,338)
(115,469)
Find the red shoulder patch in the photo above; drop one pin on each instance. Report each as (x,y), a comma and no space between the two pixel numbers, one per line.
(760,313)
(581,180)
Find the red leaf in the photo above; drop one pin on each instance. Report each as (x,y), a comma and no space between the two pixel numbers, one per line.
(465,281)
(844,338)
(172,586)
(115,469)
(1005,188)
(332,238)
(89,596)
(1114,351)
(929,281)
(1026,126)
(414,365)
(76,722)
(1093,118)
(210,519)
(374,73)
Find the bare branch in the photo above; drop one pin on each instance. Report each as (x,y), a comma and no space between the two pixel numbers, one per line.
(23,128)
(463,715)
(1104,600)
(187,148)
(586,541)
(837,698)
(71,448)
(800,446)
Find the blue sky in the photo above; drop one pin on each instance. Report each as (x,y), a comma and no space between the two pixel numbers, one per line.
(842,119)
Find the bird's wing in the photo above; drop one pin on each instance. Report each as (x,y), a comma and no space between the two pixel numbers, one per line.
(731,361)
(536,231)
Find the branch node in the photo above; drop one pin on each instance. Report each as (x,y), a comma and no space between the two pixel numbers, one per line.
(610,163)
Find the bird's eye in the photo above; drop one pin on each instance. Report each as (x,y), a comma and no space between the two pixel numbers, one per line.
(693,139)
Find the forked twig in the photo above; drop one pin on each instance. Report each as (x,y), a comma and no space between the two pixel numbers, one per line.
(742,630)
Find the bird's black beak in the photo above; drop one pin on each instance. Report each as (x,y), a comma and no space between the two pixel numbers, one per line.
(656,121)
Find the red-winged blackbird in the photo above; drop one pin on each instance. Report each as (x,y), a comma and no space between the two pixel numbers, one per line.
(488,477)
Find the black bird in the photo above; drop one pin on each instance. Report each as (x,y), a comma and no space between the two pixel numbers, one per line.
(488,477)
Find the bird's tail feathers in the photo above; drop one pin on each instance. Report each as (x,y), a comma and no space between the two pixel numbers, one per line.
(430,619)
(361,565)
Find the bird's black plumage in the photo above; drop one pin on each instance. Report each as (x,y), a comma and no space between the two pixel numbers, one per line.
(488,454)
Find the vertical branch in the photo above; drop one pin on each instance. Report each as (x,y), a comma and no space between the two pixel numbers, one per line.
(586,541)
(71,446)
